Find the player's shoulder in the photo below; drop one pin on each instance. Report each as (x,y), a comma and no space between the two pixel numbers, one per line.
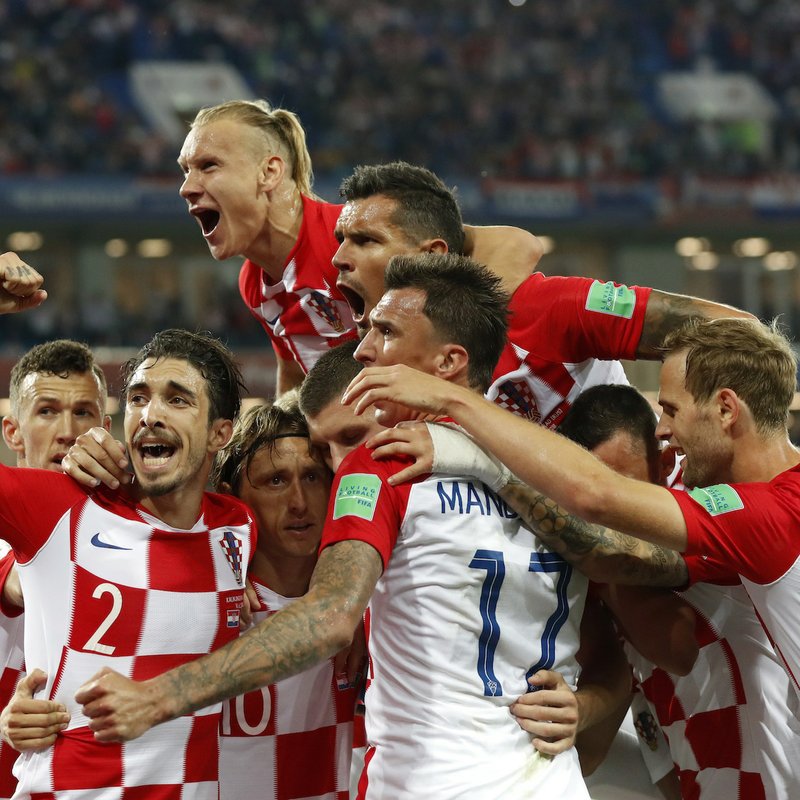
(321,213)
(225,509)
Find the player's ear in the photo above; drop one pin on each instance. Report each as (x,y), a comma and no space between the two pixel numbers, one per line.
(219,434)
(438,246)
(107,422)
(452,362)
(13,436)
(729,406)
(270,172)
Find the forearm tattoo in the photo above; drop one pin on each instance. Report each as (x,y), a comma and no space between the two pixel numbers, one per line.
(288,642)
(604,555)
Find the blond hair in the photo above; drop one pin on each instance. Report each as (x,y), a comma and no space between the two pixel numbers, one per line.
(754,360)
(281,128)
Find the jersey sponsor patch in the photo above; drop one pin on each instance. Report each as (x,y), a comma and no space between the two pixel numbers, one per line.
(357,496)
(607,298)
(718,499)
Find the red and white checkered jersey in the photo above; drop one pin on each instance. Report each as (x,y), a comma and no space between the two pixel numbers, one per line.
(467,607)
(754,530)
(564,336)
(731,734)
(303,313)
(108,585)
(13,666)
(292,739)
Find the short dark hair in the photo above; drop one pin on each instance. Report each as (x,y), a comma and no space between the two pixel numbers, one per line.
(208,355)
(426,208)
(600,412)
(61,357)
(329,377)
(257,429)
(463,301)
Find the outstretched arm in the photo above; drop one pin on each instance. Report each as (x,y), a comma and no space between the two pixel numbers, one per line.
(666,312)
(561,470)
(305,633)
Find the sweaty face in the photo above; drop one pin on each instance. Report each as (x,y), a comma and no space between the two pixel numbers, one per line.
(336,431)
(53,412)
(167,430)
(367,240)
(221,163)
(288,494)
(691,429)
(399,333)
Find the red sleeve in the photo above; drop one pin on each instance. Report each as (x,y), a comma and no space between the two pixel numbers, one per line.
(6,564)
(32,501)
(363,506)
(578,318)
(749,528)
(708,570)
(250,291)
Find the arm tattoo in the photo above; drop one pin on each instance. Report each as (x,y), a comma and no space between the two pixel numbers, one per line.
(303,634)
(602,554)
(664,313)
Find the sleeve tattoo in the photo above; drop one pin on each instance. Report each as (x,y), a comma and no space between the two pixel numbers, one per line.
(602,554)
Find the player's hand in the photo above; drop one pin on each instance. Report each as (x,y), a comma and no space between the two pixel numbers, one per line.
(406,439)
(95,458)
(28,724)
(118,708)
(351,661)
(250,601)
(550,713)
(20,285)
(401,385)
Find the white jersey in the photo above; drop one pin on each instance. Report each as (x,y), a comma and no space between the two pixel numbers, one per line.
(291,739)
(731,723)
(108,585)
(469,605)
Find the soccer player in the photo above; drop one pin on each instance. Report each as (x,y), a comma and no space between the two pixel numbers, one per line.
(730,731)
(57,392)
(293,738)
(138,581)
(726,388)
(422,698)
(248,182)
(562,332)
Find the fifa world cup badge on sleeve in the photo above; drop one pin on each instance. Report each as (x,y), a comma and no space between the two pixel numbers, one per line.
(607,298)
(719,499)
(357,496)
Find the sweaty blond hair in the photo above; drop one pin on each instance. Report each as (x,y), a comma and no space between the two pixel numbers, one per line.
(281,128)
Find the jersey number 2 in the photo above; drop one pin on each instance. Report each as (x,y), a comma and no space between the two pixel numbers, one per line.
(494,563)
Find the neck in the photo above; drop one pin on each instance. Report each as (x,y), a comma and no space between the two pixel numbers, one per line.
(178,509)
(289,577)
(763,458)
(284,220)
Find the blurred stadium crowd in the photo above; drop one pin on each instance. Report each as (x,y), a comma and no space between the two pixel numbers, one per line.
(547,89)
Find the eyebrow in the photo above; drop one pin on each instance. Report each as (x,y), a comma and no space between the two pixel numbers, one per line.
(177,388)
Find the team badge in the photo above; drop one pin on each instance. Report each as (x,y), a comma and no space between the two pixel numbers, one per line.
(232,547)
(325,308)
(516,397)
(647,729)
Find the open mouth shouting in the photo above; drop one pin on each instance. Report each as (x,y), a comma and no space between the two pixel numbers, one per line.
(207,218)
(356,302)
(154,453)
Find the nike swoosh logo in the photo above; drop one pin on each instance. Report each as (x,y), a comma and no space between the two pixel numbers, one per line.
(271,322)
(97,542)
